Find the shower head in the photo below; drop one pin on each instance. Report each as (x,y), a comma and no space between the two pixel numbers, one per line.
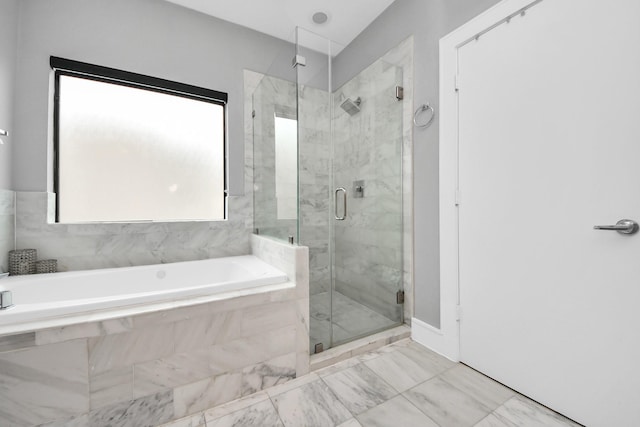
(351,107)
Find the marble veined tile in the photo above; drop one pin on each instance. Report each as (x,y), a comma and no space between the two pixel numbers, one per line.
(252,350)
(359,389)
(84,330)
(338,367)
(524,412)
(312,404)
(261,414)
(79,421)
(485,390)
(206,393)
(267,317)
(16,342)
(495,420)
(397,411)
(267,374)
(172,371)
(235,405)
(445,404)
(426,358)
(112,386)
(400,371)
(196,420)
(140,345)
(290,385)
(148,411)
(204,331)
(32,393)
(170,316)
(350,423)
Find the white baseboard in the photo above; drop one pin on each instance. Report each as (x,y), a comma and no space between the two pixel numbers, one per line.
(435,340)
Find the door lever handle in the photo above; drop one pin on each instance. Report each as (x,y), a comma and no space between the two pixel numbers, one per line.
(624,226)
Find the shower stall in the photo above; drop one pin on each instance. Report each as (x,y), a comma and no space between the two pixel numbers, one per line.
(328,174)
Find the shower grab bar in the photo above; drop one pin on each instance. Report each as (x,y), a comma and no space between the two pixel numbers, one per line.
(344,201)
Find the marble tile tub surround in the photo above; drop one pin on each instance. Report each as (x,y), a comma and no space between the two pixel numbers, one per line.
(148,369)
(107,245)
(402,384)
(7,232)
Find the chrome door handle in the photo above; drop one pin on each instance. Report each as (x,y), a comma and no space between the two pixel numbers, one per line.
(344,198)
(624,226)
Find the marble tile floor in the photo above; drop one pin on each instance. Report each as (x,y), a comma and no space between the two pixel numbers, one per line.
(350,319)
(400,385)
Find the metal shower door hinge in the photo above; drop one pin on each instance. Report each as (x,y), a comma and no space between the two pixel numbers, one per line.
(318,348)
(400,297)
(399,93)
(299,60)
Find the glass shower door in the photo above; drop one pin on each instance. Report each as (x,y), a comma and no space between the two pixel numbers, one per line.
(350,194)
(367,222)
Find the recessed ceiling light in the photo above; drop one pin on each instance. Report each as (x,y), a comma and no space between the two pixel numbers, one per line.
(320,17)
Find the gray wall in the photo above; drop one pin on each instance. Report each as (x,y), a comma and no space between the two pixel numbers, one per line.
(428,21)
(150,37)
(8,34)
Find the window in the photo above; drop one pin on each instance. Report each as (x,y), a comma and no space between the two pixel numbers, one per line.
(286,137)
(130,147)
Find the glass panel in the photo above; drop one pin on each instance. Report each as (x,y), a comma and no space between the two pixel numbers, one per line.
(314,130)
(275,155)
(367,138)
(119,146)
(275,158)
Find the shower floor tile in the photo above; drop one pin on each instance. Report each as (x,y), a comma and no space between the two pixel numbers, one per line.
(350,319)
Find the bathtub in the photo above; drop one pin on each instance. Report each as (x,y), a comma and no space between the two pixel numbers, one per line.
(58,299)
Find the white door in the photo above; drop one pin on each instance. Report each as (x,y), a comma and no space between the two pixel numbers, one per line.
(549,146)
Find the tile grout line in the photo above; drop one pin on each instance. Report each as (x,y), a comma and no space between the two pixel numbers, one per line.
(416,406)
(360,362)
(275,408)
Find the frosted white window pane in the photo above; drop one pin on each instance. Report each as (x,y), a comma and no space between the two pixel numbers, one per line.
(286,136)
(128,154)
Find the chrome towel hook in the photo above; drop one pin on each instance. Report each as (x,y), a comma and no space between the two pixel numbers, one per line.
(421,109)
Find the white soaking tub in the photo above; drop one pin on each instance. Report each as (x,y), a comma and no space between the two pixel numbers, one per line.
(46,300)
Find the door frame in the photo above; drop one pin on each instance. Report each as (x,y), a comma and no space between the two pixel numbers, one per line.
(446,339)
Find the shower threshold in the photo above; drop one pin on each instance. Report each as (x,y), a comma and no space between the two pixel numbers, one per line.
(359,346)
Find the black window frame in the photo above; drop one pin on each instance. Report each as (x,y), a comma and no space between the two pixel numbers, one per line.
(68,67)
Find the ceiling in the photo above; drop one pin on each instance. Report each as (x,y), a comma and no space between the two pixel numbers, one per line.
(279,18)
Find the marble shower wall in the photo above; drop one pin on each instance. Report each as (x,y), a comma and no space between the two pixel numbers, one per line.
(314,159)
(151,368)
(373,246)
(7,232)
